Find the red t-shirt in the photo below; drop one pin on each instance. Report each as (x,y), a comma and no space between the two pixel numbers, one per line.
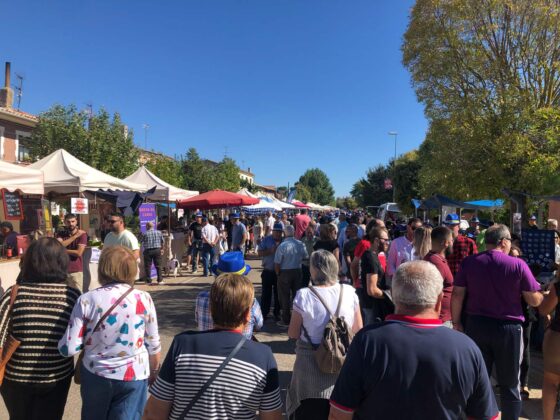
(301,221)
(443,267)
(76,264)
(363,246)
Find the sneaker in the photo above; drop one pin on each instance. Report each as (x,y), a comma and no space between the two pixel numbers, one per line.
(160,283)
(282,324)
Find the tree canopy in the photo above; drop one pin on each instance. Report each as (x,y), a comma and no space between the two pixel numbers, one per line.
(169,170)
(488,74)
(370,190)
(99,140)
(203,175)
(314,185)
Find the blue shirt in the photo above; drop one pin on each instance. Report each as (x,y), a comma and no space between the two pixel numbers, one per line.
(237,232)
(411,368)
(268,260)
(152,239)
(290,254)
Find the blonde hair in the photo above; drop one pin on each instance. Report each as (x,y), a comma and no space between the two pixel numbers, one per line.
(117,263)
(422,241)
(327,232)
(231,297)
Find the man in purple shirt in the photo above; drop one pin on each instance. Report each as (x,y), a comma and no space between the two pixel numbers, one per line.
(495,284)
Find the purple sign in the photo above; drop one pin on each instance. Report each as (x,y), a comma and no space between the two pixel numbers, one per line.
(147,214)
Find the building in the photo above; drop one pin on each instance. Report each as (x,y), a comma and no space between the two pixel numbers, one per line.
(247,175)
(145,156)
(15,126)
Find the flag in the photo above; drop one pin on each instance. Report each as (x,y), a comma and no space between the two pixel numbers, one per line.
(291,195)
(388,184)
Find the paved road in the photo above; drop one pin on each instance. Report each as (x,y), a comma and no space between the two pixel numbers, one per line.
(175,303)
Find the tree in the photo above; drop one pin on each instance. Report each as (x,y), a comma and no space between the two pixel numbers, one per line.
(405,178)
(226,176)
(346,203)
(487,73)
(197,173)
(169,170)
(319,187)
(98,140)
(370,190)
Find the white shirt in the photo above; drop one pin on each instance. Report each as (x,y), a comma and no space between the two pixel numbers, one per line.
(210,233)
(270,223)
(126,238)
(258,230)
(400,252)
(314,314)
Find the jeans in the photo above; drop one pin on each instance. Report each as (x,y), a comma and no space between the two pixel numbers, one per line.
(35,402)
(207,257)
(289,282)
(526,362)
(269,290)
(111,399)
(500,343)
(152,254)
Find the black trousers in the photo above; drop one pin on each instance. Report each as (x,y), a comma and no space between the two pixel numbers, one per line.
(152,254)
(289,282)
(35,402)
(526,362)
(312,409)
(306,275)
(269,290)
(500,343)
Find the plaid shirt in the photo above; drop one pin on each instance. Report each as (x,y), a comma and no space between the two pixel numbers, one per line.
(152,239)
(462,248)
(204,319)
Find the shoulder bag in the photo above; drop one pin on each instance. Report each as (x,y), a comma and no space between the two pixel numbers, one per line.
(11,343)
(77,370)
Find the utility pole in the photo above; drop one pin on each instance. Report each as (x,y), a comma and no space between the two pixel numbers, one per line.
(394,134)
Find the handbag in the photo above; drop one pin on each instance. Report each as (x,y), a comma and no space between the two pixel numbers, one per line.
(78,368)
(11,343)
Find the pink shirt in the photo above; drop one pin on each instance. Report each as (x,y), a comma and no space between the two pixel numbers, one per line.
(301,221)
(399,252)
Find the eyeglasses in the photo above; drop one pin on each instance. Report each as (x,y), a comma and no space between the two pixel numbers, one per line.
(509,239)
(114,221)
(384,239)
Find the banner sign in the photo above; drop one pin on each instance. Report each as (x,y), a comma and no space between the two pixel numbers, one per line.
(538,247)
(147,213)
(13,208)
(79,205)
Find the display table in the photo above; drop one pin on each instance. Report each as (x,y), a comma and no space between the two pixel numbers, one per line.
(9,270)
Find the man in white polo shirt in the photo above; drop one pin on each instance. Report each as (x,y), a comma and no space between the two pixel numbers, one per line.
(119,235)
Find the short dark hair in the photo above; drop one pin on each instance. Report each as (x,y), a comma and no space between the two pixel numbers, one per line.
(116,214)
(376,232)
(414,220)
(68,216)
(45,261)
(303,211)
(440,234)
(6,225)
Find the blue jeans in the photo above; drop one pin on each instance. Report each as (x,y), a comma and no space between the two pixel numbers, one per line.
(111,399)
(207,257)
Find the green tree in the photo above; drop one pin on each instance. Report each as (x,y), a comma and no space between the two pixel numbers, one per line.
(197,173)
(319,186)
(98,140)
(405,178)
(303,193)
(169,170)
(370,190)
(346,203)
(225,176)
(488,75)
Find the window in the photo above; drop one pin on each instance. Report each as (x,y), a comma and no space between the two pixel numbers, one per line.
(23,141)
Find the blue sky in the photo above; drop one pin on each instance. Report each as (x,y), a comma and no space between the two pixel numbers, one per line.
(285,85)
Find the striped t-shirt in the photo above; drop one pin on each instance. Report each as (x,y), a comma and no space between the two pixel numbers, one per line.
(249,383)
(40,316)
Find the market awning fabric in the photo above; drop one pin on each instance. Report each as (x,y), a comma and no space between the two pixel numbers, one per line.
(164,191)
(216,199)
(65,174)
(261,207)
(22,178)
(437,201)
(300,205)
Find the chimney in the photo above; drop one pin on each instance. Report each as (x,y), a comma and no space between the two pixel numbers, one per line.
(249,169)
(6,93)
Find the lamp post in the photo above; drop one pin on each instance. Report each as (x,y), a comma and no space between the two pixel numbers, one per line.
(394,134)
(146,127)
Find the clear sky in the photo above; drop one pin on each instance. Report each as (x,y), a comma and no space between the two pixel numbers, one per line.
(285,85)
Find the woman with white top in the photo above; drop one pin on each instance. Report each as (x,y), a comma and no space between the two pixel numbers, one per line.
(310,388)
(116,327)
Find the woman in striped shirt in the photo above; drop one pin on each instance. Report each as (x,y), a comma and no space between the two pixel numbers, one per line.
(37,377)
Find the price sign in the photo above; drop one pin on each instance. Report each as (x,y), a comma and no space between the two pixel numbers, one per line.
(13,208)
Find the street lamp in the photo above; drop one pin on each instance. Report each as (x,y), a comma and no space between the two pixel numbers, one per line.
(146,127)
(394,134)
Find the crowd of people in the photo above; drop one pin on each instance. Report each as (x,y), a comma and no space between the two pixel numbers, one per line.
(432,316)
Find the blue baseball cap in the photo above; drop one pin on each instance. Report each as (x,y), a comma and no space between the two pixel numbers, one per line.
(452,219)
(231,262)
(278,227)
(234,216)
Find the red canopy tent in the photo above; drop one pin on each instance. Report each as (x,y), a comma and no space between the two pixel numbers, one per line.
(300,205)
(216,199)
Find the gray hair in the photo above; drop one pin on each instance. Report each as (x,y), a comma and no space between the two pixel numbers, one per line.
(289,230)
(494,234)
(417,285)
(149,225)
(326,267)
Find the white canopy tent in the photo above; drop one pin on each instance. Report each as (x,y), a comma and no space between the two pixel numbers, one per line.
(164,191)
(246,192)
(22,178)
(273,200)
(65,174)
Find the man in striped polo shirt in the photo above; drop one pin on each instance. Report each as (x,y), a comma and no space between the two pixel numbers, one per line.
(247,384)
